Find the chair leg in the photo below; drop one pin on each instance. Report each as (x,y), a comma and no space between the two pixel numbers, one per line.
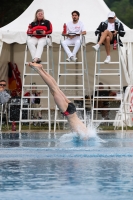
(1,117)
(0,121)
(7,120)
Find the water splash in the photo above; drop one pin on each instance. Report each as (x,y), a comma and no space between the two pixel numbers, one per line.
(91,135)
(81,136)
(68,137)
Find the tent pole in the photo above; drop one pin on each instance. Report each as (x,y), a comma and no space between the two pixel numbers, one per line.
(1,45)
(11,52)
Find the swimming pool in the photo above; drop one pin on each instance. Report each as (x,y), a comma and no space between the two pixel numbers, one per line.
(43,166)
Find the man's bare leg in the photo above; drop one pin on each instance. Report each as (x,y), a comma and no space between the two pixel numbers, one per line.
(107,48)
(102,40)
(107,45)
(104,36)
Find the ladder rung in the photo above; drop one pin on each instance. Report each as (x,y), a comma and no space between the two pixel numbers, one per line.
(61,120)
(73,97)
(35,85)
(35,97)
(68,63)
(44,63)
(105,89)
(64,120)
(109,69)
(74,89)
(70,85)
(74,69)
(107,97)
(108,86)
(105,120)
(34,74)
(34,120)
(31,74)
(80,109)
(71,74)
(127,113)
(76,97)
(107,63)
(108,74)
(118,109)
(34,108)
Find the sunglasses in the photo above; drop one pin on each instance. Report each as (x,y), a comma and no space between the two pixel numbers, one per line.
(111,18)
(3,85)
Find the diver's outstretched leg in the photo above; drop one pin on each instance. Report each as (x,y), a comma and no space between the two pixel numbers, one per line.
(59,98)
(49,80)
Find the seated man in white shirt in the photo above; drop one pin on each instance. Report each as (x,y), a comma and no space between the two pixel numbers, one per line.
(75,28)
(107,32)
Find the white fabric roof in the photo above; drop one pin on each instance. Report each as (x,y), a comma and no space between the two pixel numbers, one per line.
(92,12)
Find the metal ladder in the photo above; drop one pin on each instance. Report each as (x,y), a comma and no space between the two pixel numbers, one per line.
(113,69)
(81,68)
(30,74)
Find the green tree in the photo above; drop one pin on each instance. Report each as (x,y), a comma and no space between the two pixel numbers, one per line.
(123,10)
(11,9)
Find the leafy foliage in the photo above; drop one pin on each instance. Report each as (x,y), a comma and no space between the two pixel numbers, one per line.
(123,10)
(11,9)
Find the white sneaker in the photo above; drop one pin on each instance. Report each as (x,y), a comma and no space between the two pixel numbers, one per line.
(96,47)
(68,60)
(73,58)
(108,59)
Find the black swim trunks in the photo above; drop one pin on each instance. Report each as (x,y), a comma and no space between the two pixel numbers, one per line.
(70,109)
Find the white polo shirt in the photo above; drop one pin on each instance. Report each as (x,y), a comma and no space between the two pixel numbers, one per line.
(75,28)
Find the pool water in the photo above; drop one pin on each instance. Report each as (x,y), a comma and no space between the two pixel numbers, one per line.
(38,166)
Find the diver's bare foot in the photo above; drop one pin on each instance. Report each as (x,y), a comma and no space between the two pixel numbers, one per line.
(35,66)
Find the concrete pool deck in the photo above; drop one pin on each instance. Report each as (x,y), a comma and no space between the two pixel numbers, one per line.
(64,131)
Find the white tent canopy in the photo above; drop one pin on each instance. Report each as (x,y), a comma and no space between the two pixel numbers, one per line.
(92,12)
